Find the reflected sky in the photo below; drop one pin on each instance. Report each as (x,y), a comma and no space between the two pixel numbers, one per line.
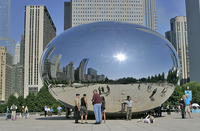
(106,43)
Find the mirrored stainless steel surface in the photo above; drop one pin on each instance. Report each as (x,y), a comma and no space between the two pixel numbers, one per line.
(129,59)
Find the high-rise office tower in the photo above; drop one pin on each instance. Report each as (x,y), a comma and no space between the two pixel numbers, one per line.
(150,18)
(193,25)
(178,37)
(142,12)
(39,30)
(5,26)
(5,18)
(6,66)
(18,79)
(17,53)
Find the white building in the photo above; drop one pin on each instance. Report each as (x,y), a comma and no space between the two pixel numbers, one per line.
(142,12)
(17,53)
(179,39)
(39,30)
(193,25)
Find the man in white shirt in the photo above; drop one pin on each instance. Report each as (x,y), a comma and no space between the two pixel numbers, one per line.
(129,107)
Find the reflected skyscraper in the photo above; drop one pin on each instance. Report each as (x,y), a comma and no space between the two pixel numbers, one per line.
(47,64)
(178,37)
(39,30)
(55,66)
(142,12)
(5,26)
(81,70)
(70,71)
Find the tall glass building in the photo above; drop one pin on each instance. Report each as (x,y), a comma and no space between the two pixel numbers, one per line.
(4,18)
(193,18)
(179,39)
(142,12)
(5,26)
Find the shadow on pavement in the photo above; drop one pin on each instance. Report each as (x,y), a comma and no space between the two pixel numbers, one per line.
(53,118)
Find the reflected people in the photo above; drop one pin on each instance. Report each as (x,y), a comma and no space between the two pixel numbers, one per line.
(110,56)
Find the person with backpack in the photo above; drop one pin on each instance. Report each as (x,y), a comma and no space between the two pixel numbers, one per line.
(6,111)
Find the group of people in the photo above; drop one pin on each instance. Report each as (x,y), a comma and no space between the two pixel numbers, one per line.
(99,107)
(13,108)
(49,111)
(101,90)
(185,105)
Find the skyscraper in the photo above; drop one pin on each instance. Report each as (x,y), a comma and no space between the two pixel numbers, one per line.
(5,26)
(5,18)
(142,12)
(39,30)
(193,25)
(6,83)
(150,19)
(178,37)
(17,53)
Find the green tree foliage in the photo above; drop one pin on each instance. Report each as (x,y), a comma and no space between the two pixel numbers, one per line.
(180,91)
(45,98)
(12,99)
(21,102)
(31,102)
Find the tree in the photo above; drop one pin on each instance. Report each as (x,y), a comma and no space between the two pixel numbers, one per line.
(21,102)
(45,98)
(12,99)
(163,76)
(31,102)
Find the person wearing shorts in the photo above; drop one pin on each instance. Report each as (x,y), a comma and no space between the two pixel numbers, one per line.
(187,105)
(103,109)
(83,110)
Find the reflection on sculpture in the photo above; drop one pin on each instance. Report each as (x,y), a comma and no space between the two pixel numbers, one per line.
(126,59)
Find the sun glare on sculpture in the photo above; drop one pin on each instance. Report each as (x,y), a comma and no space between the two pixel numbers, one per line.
(120,57)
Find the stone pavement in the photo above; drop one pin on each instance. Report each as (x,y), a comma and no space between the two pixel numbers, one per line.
(166,123)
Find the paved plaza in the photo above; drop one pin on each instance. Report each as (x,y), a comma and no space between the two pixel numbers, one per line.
(166,123)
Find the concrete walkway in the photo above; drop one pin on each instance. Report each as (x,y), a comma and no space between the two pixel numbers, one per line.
(166,123)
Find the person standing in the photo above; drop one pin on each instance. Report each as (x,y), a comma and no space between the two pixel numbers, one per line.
(129,107)
(51,111)
(59,110)
(83,110)
(6,111)
(26,112)
(103,109)
(23,111)
(153,93)
(139,87)
(45,111)
(96,100)
(168,109)
(99,90)
(182,104)
(14,108)
(187,105)
(77,108)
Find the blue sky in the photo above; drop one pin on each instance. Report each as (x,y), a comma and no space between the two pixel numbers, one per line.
(166,9)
